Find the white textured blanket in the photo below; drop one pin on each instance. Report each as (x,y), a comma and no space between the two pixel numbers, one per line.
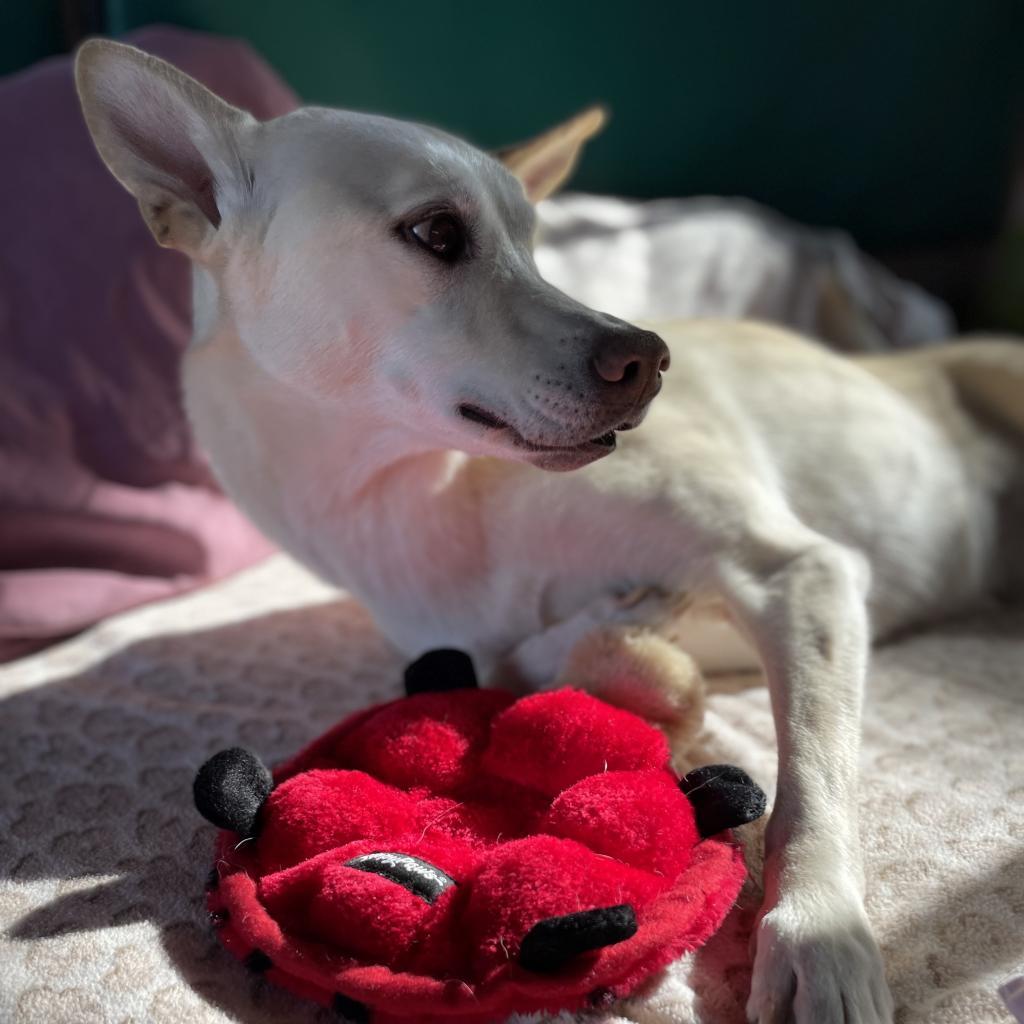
(103,858)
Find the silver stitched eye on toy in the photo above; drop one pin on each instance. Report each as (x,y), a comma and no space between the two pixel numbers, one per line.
(420,877)
(443,235)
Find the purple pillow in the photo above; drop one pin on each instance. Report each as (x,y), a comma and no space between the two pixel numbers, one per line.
(105,501)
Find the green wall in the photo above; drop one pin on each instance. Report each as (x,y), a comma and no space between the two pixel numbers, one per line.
(29,31)
(891,118)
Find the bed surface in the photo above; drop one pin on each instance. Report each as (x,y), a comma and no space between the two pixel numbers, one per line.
(102,856)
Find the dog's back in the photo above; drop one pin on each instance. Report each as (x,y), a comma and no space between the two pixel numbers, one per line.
(910,459)
(974,390)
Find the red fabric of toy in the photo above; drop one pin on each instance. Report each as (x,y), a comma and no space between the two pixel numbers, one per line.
(465,855)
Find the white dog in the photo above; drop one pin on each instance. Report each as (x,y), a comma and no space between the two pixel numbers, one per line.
(382,378)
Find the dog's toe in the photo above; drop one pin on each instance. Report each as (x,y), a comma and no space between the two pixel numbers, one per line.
(815,967)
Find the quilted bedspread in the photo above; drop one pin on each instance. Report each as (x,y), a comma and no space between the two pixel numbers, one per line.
(103,858)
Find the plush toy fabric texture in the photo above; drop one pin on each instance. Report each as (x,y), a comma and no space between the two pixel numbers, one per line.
(464,854)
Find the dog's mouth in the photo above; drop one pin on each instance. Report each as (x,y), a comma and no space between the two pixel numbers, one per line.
(595,447)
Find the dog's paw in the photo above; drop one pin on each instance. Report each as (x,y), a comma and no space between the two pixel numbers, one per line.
(817,963)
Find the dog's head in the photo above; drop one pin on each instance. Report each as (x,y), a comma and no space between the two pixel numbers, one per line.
(369,263)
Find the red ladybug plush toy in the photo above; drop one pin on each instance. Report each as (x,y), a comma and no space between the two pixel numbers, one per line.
(461,854)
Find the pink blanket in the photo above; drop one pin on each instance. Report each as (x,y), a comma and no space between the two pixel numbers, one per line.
(104,501)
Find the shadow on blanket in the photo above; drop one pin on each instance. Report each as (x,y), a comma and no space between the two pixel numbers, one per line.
(106,761)
(103,762)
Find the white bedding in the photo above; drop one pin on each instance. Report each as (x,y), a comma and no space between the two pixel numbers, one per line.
(713,257)
(102,856)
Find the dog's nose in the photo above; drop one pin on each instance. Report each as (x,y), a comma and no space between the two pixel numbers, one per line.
(630,360)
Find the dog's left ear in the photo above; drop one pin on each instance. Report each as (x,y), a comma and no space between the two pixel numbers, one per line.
(544,163)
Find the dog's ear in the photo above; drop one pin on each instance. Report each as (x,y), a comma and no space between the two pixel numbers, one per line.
(167,139)
(544,163)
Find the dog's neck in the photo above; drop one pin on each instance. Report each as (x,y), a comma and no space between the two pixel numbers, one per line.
(318,479)
(294,425)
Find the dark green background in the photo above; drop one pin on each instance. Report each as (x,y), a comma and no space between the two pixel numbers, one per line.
(892,119)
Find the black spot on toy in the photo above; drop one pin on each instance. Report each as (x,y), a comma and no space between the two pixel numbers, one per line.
(349,1010)
(723,796)
(230,788)
(258,962)
(549,945)
(437,671)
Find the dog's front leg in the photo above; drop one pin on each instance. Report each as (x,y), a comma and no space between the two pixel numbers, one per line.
(803,605)
(537,661)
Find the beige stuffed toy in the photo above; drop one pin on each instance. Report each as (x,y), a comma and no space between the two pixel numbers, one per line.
(642,670)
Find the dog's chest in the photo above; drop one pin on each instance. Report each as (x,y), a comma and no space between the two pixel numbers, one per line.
(414,554)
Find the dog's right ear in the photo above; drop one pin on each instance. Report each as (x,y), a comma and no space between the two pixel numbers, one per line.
(172,143)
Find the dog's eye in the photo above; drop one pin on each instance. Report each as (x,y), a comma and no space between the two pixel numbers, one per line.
(442,234)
